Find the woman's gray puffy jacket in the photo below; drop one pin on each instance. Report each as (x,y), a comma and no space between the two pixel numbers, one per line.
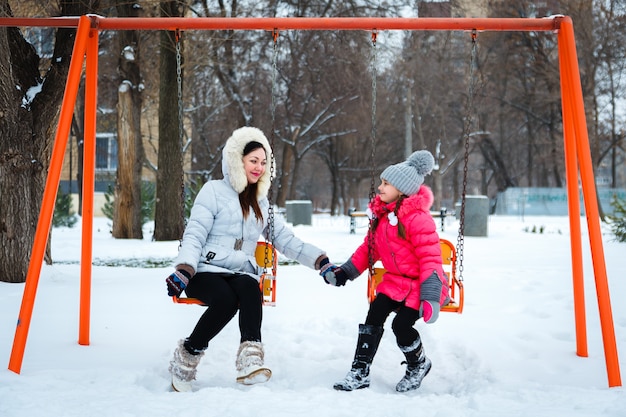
(216,223)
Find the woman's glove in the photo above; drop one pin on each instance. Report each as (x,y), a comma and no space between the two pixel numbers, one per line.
(177,282)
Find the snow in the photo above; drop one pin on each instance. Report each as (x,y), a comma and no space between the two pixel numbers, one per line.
(511,352)
(31,94)
(125,86)
(129,53)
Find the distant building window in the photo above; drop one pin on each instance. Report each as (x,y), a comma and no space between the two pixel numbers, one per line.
(106,152)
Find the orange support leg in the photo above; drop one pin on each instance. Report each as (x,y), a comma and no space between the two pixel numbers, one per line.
(89,167)
(566,36)
(573,202)
(49,197)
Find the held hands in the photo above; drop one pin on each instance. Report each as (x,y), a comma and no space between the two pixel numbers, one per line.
(177,282)
(333,274)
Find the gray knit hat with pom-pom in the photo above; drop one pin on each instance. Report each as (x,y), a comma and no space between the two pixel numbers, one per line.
(408,176)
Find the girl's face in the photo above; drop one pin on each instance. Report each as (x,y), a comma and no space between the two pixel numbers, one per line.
(254,165)
(388,193)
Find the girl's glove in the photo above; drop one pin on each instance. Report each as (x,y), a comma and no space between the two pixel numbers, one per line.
(177,282)
(429,311)
(430,293)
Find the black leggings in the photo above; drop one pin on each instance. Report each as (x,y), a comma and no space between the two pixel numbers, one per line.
(402,324)
(224,294)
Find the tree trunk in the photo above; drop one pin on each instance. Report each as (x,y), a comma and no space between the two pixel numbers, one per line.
(437,189)
(354,197)
(293,195)
(127,218)
(78,131)
(27,130)
(127,212)
(496,163)
(19,169)
(285,177)
(169,210)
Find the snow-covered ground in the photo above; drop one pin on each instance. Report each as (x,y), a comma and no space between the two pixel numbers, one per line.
(511,352)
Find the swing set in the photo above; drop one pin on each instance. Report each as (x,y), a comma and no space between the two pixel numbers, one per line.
(578,161)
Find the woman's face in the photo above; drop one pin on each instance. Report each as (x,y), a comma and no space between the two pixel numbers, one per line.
(254,165)
(388,193)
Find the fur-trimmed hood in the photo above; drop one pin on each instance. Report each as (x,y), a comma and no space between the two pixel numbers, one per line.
(232,160)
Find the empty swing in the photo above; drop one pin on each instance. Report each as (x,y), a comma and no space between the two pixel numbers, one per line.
(450,255)
(265,253)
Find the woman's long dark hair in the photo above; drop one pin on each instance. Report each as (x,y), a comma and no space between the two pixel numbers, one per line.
(248,197)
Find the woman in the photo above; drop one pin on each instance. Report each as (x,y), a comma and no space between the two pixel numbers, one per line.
(216,262)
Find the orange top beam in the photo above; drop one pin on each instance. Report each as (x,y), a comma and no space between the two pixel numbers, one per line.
(296,23)
(59,22)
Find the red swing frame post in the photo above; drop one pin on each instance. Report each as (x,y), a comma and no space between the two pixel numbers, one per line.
(577,151)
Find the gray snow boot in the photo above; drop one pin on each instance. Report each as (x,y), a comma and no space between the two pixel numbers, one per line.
(359,376)
(417,366)
(183,367)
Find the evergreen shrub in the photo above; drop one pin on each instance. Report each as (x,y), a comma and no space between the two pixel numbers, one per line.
(617,220)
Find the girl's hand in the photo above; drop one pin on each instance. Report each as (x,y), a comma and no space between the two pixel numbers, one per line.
(429,311)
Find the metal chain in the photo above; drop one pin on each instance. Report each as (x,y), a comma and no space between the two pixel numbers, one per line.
(372,194)
(181,131)
(270,234)
(466,136)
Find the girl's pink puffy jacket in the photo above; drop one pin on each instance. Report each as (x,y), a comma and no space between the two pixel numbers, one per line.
(410,261)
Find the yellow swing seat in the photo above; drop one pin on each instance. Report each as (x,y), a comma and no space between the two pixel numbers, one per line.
(448,254)
(266,258)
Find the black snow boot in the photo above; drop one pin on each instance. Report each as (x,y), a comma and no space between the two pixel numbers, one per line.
(367,345)
(417,367)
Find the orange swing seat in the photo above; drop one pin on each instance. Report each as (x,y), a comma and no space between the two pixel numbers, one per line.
(267,259)
(448,254)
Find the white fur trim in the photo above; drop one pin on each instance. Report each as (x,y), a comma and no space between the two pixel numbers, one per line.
(232,162)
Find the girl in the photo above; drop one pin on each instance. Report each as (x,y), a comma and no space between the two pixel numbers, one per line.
(404,238)
(216,262)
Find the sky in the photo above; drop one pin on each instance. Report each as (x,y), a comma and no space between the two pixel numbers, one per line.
(511,352)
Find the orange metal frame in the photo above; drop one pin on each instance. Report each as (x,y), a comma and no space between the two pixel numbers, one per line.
(577,151)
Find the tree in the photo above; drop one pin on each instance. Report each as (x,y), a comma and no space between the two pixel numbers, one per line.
(29,103)
(127,215)
(609,30)
(317,79)
(436,67)
(523,100)
(227,85)
(169,217)
(325,102)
